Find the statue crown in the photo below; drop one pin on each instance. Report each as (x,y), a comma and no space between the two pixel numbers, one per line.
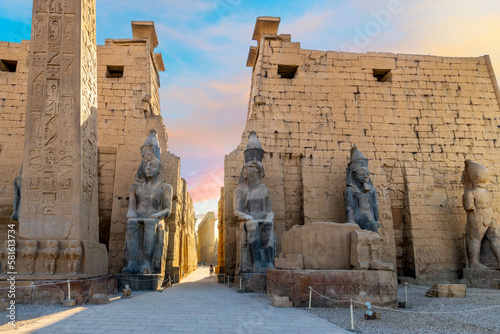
(253,151)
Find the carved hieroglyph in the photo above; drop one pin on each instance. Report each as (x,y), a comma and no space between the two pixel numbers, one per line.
(60,160)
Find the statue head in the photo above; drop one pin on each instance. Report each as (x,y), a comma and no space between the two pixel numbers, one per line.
(253,171)
(32,243)
(357,173)
(253,151)
(53,243)
(74,243)
(150,165)
(474,175)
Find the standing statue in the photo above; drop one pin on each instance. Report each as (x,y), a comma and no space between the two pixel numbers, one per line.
(360,197)
(29,253)
(74,254)
(51,253)
(480,217)
(150,202)
(252,206)
(17,195)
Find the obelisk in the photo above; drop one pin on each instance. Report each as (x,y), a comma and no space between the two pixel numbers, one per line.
(59,185)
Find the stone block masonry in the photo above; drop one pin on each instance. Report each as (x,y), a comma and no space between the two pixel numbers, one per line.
(127,108)
(415,117)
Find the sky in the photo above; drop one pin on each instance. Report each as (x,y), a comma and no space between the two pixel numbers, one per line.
(205,88)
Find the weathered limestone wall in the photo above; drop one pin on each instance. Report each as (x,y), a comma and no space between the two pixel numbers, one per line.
(13,88)
(128,107)
(416,129)
(206,239)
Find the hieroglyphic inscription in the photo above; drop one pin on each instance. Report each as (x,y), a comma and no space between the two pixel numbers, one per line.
(61,119)
(89,102)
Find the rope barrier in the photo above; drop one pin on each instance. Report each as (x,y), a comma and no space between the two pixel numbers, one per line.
(468,293)
(405,311)
(77,280)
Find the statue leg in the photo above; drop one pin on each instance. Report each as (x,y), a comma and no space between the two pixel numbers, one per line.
(475,233)
(493,234)
(149,244)
(254,243)
(132,243)
(268,242)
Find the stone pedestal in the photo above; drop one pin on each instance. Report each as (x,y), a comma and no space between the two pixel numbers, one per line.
(447,291)
(93,262)
(252,282)
(486,279)
(56,292)
(140,282)
(377,287)
(99,299)
(323,245)
(221,278)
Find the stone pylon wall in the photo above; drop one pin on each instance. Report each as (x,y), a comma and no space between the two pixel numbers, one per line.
(416,129)
(128,107)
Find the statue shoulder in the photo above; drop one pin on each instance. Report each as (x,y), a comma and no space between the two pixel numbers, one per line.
(134,186)
(348,190)
(167,188)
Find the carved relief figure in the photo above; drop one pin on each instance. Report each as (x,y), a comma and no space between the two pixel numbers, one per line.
(74,255)
(9,247)
(17,195)
(481,221)
(51,253)
(29,253)
(150,202)
(252,206)
(360,198)
(366,251)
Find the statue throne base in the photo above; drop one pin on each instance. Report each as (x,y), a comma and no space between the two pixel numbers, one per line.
(153,281)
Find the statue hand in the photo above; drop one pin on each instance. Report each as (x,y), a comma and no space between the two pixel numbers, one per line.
(14,217)
(131,214)
(379,225)
(157,215)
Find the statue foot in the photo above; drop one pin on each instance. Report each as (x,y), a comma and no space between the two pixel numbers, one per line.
(131,268)
(478,266)
(270,265)
(146,268)
(257,268)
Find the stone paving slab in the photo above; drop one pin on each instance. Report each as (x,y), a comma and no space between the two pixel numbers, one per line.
(196,305)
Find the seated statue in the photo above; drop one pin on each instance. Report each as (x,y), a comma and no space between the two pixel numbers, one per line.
(481,220)
(149,203)
(360,197)
(252,206)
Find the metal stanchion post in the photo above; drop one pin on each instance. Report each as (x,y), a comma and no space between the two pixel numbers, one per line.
(69,290)
(228,281)
(310,296)
(406,292)
(240,282)
(352,317)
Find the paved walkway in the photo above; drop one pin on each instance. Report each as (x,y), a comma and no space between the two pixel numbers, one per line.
(196,305)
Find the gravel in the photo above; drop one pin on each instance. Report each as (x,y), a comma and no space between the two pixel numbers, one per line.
(479,312)
(26,314)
